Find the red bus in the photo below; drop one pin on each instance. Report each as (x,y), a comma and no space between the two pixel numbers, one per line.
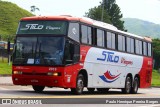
(71,52)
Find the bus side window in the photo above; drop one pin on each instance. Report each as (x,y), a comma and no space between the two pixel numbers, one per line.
(121,43)
(145,48)
(72,52)
(100,38)
(74,31)
(149,49)
(86,34)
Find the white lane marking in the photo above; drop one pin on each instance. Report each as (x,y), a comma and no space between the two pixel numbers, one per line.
(4,88)
(150,106)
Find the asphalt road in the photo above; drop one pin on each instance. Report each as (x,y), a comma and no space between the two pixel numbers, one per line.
(61,96)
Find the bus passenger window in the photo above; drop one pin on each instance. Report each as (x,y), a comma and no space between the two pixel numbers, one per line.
(132,46)
(86,34)
(128,44)
(149,49)
(100,38)
(121,43)
(140,47)
(137,46)
(145,48)
(109,40)
(113,41)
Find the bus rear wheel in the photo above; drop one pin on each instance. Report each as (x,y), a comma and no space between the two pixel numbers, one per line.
(79,85)
(135,86)
(128,86)
(37,88)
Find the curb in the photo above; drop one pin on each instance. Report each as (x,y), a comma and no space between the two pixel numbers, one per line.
(6,75)
(6,84)
(155,86)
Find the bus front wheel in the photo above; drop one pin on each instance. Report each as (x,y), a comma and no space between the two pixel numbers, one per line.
(79,85)
(128,85)
(38,89)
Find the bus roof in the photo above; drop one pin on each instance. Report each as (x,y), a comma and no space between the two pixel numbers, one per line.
(87,21)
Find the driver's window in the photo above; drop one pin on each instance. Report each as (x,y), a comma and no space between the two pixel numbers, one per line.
(72,52)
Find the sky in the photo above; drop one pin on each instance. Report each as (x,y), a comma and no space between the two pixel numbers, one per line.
(148,10)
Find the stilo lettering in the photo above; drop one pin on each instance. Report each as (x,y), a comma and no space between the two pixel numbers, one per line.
(109,57)
(32,26)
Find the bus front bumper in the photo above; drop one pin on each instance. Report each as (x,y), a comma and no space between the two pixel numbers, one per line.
(50,81)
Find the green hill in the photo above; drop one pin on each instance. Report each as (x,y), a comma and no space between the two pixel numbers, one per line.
(142,28)
(10,14)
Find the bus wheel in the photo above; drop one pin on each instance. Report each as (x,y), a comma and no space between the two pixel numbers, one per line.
(102,90)
(91,90)
(128,86)
(134,89)
(79,85)
(38,89)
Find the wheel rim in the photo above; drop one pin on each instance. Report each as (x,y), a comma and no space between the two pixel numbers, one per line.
(80,85)
(128,85)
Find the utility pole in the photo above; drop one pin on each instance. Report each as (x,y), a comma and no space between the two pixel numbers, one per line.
(102,10)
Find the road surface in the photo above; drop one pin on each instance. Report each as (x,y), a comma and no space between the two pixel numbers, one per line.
(61,96)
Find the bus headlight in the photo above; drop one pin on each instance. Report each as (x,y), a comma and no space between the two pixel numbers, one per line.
(54,74)
(17,72)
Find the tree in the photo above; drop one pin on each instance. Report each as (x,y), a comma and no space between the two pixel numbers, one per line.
(156,52)
(34,8)
(111,13)
(95,13)
(114,12)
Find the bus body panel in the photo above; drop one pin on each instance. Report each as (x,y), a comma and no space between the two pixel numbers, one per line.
(107,68)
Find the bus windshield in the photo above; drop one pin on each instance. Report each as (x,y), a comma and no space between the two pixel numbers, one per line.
(39,50)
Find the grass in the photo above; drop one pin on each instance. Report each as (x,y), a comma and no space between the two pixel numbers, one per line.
(155,78)
(10,14)
(5,68)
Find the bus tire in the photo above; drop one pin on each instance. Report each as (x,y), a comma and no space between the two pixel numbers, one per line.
(91,90)
(79,85)
(128,86)
(102,90)
(37,88)
(134,89)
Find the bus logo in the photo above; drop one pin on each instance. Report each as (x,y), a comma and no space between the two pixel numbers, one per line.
(32,26)
(108,77)
(109,57)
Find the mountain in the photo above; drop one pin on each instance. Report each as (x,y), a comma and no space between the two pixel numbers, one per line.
(10,14)
(142,28)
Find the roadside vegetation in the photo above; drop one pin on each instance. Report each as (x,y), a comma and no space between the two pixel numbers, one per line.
(10,14)
(5,68)
(155,78)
